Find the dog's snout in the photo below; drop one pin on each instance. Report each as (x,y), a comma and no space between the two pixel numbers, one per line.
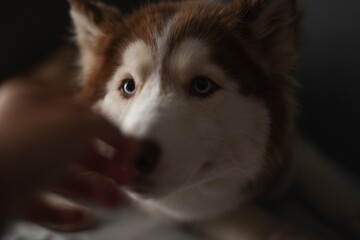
(149,157)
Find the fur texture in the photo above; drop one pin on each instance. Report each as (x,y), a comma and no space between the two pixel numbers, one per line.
(220,152)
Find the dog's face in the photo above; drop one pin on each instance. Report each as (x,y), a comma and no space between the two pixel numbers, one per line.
(207,84)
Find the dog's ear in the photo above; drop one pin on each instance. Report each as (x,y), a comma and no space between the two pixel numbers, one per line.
(92,21)
(273,27)
(90,18)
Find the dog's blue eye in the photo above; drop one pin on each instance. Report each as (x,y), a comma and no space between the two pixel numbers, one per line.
(203,87)
(128,87)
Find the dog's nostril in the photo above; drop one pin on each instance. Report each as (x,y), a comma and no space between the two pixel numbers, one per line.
(148,158)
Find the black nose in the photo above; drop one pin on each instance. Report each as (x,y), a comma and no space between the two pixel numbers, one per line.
(149,157)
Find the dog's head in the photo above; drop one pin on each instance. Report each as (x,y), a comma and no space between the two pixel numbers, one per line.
(209,86)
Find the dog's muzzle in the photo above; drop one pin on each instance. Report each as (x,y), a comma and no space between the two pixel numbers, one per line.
(149,158)
(145,166)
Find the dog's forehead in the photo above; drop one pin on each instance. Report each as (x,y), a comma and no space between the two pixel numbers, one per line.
(188,55)
(202,19)
(185,58)
(177,37)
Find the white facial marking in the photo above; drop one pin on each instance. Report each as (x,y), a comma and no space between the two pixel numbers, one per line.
(211,148)
(137,62)
(189,58)
(162,40)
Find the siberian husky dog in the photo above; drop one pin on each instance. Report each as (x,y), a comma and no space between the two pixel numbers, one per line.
(210,87)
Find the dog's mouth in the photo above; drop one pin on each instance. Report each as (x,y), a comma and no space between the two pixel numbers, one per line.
(144,188)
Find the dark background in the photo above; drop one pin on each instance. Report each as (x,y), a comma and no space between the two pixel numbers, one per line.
(330,75)
(329,69)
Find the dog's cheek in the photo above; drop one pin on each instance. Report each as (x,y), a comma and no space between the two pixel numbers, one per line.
(113,106)
(243,124)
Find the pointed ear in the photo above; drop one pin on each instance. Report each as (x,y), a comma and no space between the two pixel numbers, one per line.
(273,25)
(90,18)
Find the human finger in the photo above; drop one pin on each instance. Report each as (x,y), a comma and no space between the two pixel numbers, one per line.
(91,187)
(58,213)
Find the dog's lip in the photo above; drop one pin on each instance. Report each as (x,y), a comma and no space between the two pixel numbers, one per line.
(139,189)
(144,191)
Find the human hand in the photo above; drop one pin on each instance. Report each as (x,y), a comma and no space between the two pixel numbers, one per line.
(44,137)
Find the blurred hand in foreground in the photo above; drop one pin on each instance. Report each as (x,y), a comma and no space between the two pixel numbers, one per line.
(47,142)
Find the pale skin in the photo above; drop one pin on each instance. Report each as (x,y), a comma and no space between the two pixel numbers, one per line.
(47,143)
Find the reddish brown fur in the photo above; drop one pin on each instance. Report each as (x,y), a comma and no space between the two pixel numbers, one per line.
(253,41)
